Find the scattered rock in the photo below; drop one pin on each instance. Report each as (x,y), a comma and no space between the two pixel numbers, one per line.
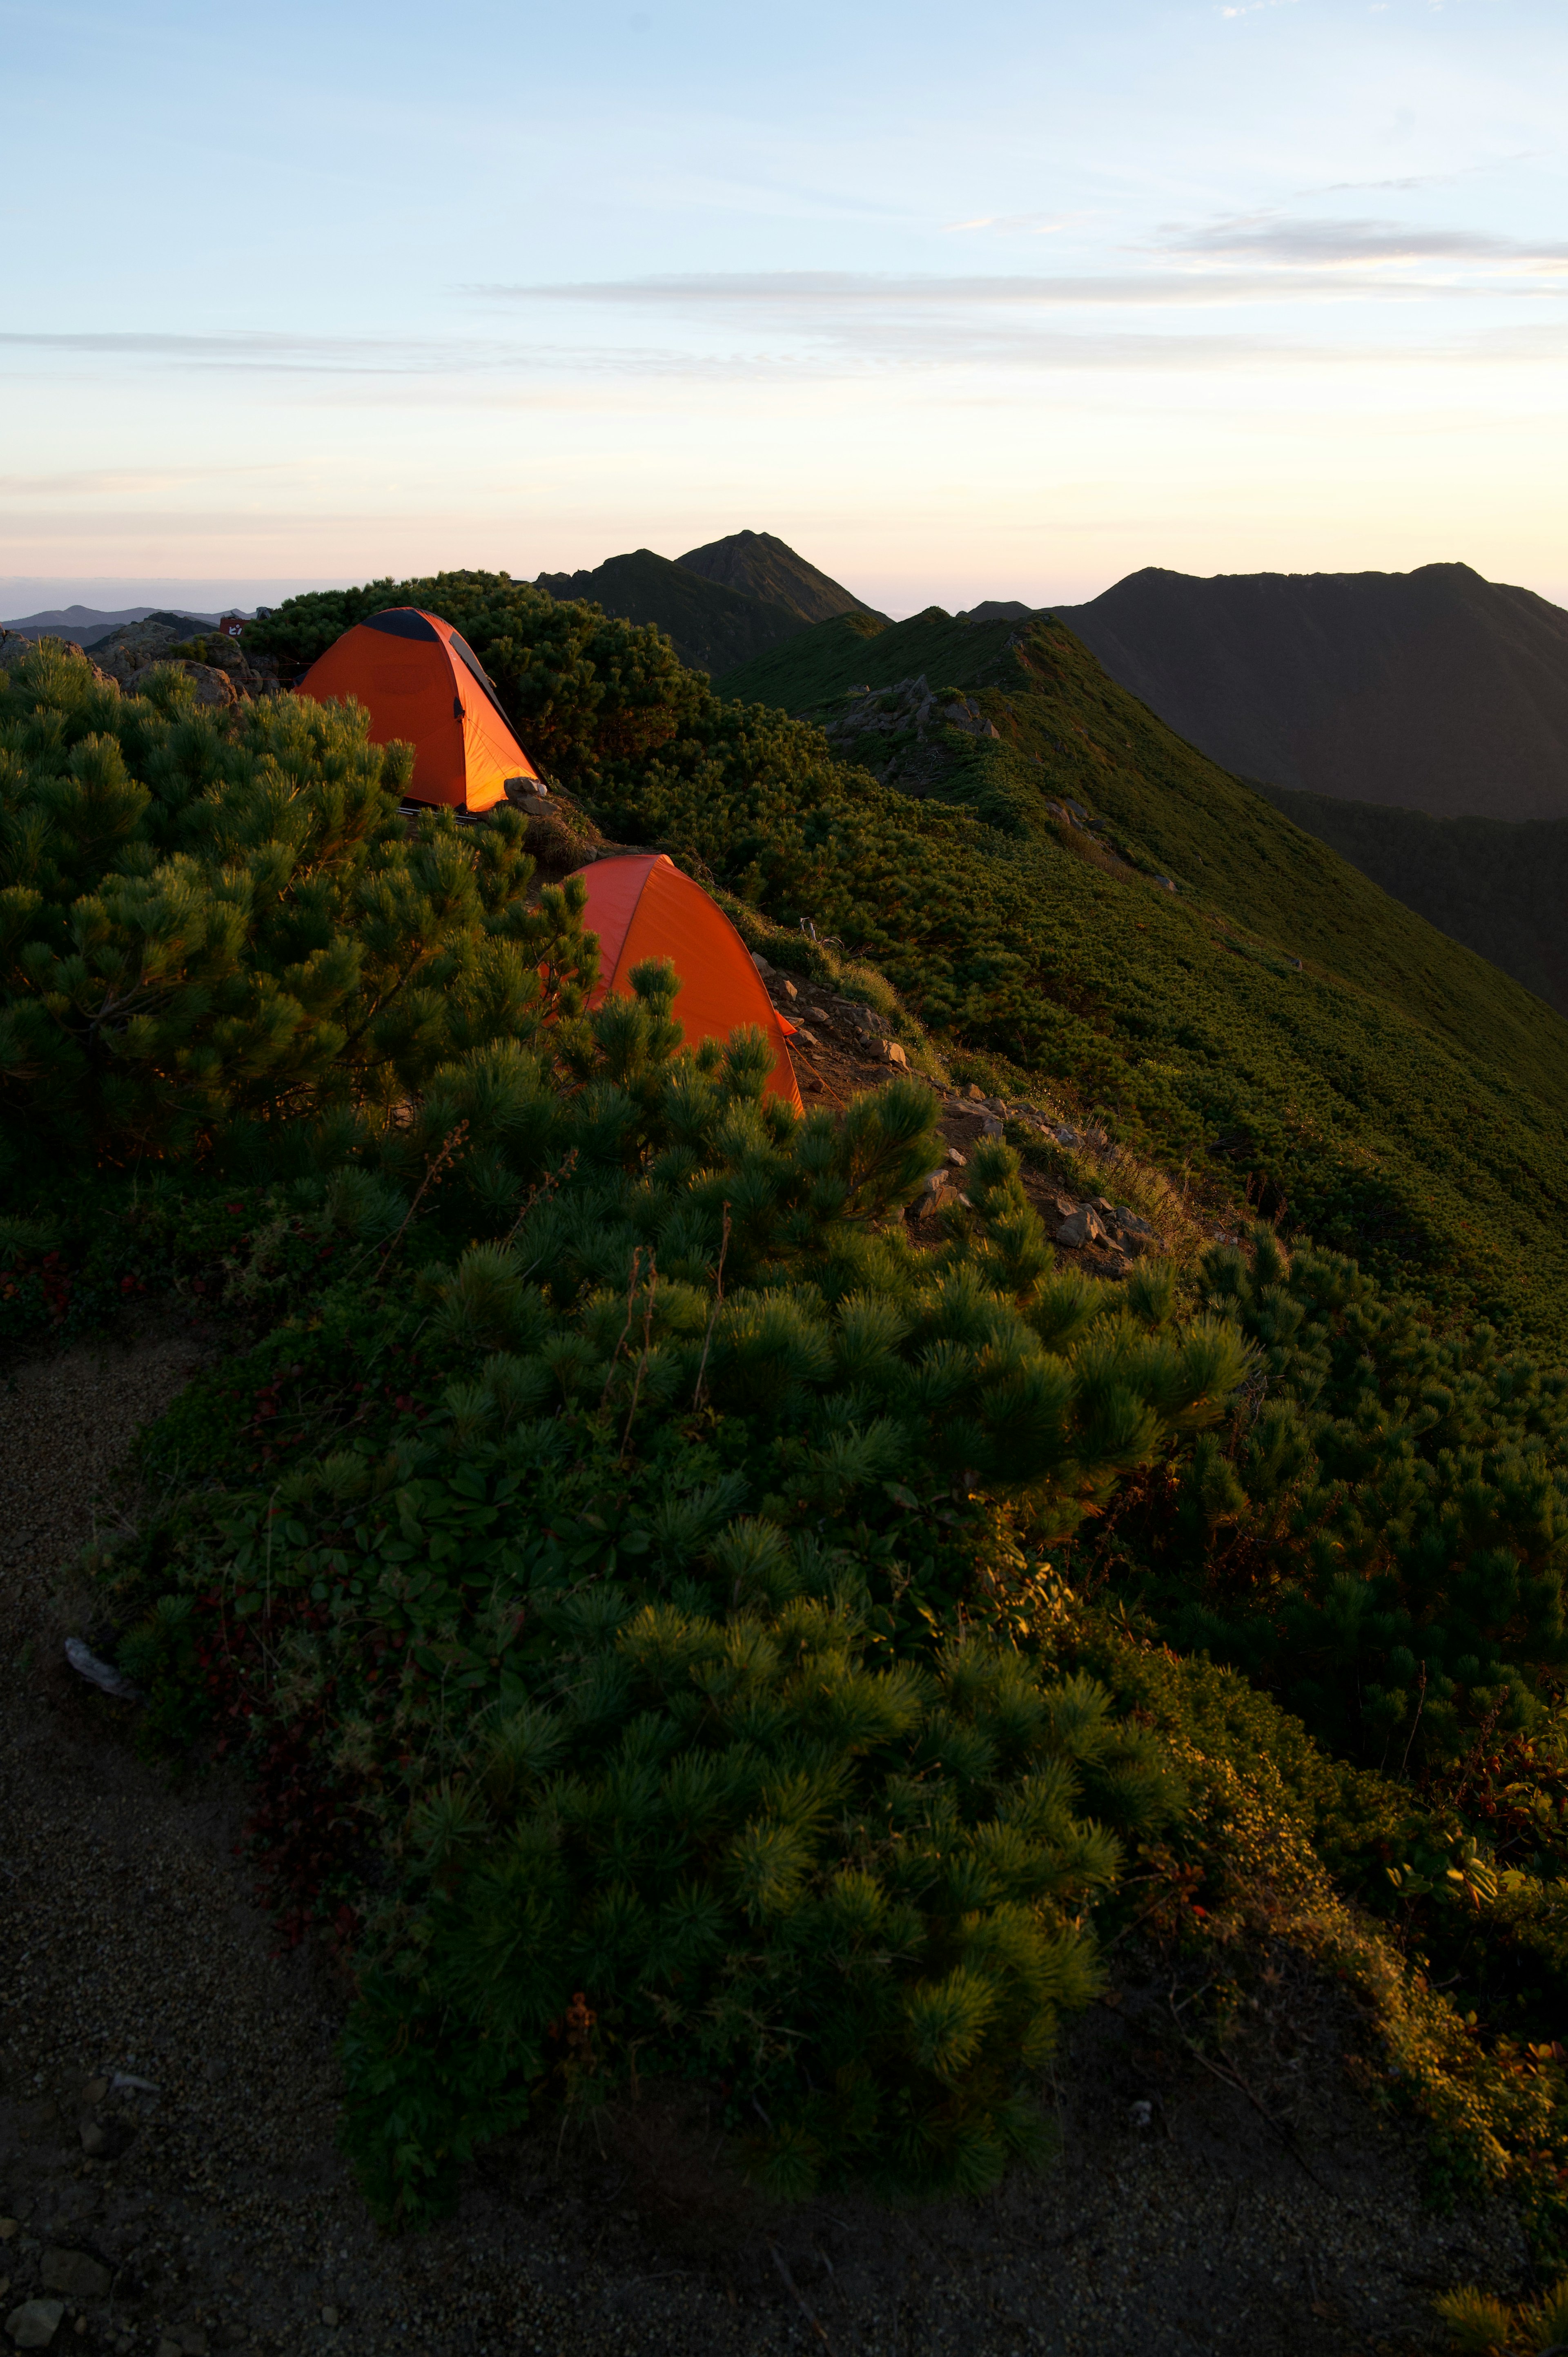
(760,962)
(975,1094)
(103,1674)
(213,686)
(94,2138)
(167,2348)
(895,1054)
(328,2315)
(34,2323)
(73,2272)
(959,1161)
(95,2089)
(1079,1228)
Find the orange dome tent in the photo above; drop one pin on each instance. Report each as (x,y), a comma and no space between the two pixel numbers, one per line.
(642,905)
(420,680)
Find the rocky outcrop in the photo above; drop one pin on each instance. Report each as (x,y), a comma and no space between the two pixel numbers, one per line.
(907,708)
(131,653)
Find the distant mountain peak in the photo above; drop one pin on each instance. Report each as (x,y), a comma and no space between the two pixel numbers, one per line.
(758,566)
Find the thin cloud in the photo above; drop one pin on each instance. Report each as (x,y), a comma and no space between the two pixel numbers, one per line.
(268,351)
(1337,244)
(794,293)
(1009,224)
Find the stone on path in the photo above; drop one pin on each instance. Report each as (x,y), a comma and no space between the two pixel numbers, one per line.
(34,2323)
(76,2275)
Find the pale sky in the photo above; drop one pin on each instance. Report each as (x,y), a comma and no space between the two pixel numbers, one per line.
(997,300)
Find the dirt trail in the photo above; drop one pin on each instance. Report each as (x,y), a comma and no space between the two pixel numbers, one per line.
(216,2213)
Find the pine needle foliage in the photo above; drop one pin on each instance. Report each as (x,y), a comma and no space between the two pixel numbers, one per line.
(215,919)
(1380,1531)
(646,1649)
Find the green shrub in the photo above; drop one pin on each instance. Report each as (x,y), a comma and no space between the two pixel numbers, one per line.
(588,693)
(1380,1531)
(634,1653)
(210,920)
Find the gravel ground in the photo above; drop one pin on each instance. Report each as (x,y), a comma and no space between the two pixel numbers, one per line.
(215,2213)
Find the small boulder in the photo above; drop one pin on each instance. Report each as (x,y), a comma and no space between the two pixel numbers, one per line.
(1081,1227)
(894,1054)
(34,2323)
(73,2272)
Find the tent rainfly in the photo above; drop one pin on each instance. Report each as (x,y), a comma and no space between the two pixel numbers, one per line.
(642,905)
(421,680)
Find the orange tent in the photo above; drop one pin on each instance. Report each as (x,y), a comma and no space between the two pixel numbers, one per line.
(420,680)
(642,905)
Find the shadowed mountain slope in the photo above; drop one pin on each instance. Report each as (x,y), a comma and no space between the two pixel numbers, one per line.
(1499,888)
(1434,690)
(758,566)
(711,628)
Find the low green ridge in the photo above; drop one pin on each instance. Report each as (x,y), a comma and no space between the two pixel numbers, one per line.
(1407,1099)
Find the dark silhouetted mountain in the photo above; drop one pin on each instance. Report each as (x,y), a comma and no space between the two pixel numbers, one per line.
(1434,690)
(758,566)
(998,609)
(714,628)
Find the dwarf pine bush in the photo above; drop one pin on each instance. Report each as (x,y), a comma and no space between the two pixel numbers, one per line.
(1381,1533)
(640,1649)
(210,920)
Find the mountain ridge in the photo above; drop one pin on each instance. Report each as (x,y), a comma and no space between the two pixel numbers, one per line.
(712,626)
(1433,690)
(757,565)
